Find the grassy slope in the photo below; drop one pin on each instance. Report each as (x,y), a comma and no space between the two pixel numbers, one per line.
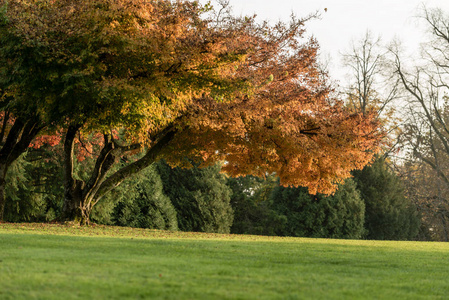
(62,262)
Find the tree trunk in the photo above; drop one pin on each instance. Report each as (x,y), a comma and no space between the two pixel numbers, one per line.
(73,207)
(2,193)
(73,199)
(77,204)
(80,197)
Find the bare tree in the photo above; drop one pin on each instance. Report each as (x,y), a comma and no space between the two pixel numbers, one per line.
(427,133)
(371,87)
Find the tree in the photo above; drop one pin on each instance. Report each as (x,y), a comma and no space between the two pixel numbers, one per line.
(425,170)
(250,201)
(200,196)
(389,215)
(98,65)
(338,216)
(372,86)
(366,62)
(20,204)
(19,122)
(33,189)
(142,203)
(171,79)
(15,143)
(426,86)
(262,206)
(429,194)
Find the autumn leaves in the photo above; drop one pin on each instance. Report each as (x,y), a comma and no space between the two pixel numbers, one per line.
(178,79)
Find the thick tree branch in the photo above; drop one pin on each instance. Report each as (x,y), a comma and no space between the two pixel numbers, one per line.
(11,139)
(29,132)
(69,146)
(150,157)
(18,139)
(102,165)
(416,92)
(432,165)
(4,124)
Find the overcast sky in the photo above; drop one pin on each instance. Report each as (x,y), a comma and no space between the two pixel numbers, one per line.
(346,20)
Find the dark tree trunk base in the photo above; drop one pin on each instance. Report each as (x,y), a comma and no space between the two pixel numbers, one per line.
(2,199)
(2,191)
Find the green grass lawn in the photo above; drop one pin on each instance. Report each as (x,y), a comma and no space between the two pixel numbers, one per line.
(63,262)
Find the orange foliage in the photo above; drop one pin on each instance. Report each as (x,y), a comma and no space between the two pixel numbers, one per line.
(317,149)
(234,90)
(45,139)
(289,125)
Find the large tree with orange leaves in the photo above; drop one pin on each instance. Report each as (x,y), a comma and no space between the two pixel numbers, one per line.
(170,79)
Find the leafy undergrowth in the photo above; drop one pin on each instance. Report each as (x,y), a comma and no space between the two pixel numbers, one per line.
(51,261)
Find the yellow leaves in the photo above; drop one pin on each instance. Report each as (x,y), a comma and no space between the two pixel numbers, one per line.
(257,101)
(114,24)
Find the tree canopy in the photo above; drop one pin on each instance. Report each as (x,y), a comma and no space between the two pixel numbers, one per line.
(425,87)
(174,79)
(389,214)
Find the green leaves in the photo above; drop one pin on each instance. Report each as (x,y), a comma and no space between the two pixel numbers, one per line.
(3,17)
(389,214)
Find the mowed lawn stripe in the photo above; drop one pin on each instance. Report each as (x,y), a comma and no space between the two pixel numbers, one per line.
(174,266)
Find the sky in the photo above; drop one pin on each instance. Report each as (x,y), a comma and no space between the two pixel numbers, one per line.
(345,21)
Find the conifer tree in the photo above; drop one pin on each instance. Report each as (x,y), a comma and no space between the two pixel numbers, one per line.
(253,213)
(338,216)
(389,214)
(200,196)
(142,203)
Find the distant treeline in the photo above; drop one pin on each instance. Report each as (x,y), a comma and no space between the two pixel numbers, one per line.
(370,206)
